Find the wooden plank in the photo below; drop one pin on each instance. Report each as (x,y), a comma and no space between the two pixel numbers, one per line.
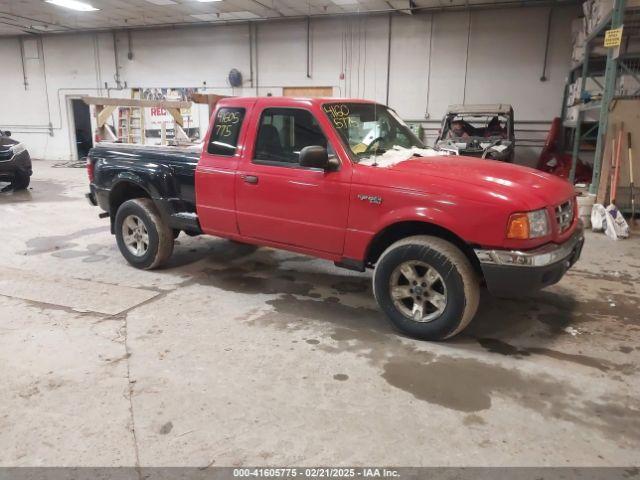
(210,99)
(177,116)
(134,102)
(180,135)
(206,98)
(314,92)
(604,174)
(104,114)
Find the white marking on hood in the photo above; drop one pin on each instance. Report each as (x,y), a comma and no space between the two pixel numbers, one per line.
(399,154)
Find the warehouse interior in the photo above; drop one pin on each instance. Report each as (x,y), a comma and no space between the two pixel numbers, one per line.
(215,336)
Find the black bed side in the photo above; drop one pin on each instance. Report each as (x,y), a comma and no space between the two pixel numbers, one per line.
(164,174)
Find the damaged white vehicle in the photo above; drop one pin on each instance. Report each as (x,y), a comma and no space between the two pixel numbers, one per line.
(485,131)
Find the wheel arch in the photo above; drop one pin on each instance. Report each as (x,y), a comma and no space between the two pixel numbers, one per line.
(399,230)
(122,190)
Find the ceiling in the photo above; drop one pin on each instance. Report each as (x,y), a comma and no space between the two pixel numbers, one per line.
(18,17)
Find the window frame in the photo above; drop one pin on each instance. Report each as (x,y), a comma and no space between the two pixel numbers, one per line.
(240,128)
(276,163)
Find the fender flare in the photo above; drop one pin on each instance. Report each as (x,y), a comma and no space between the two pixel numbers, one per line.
(436,217)
(443,222)
(132,178)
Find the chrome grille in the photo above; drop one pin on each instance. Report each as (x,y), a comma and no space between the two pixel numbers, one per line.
(564,215)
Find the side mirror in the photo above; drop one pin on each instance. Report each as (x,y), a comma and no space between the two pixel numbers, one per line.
(7,133)
(314,156)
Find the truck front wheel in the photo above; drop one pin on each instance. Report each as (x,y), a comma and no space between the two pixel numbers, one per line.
(144,240)
(427,287)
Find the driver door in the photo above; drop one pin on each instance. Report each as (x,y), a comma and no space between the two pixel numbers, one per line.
(280,201)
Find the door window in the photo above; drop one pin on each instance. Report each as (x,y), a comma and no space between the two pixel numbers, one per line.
(224,136)
(283,133)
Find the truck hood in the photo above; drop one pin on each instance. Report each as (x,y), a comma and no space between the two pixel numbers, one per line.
(491,179)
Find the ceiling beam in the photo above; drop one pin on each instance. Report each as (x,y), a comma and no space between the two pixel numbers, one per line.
(134,102)
(273,8)
(434,9)
(42,22)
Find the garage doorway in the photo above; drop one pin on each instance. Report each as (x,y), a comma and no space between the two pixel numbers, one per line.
(82,127)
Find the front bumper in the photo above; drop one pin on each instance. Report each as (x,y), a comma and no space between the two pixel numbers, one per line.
(512,272)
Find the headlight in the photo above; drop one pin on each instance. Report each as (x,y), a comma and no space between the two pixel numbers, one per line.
(18,148)
(523,226)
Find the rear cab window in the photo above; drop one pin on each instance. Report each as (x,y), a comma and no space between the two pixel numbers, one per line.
(225,132)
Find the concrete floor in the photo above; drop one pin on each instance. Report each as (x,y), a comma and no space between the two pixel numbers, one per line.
(233,355)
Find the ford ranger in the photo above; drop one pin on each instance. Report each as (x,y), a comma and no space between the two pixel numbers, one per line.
(347,181)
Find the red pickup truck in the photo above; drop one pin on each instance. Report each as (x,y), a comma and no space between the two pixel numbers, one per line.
(347,181)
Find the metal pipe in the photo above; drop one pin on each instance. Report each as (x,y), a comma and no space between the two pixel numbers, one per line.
(308,47)
(24,70)
(250,54)
(129,41)
(543,77)
(466,60)
(46,84)
(257,57)
(426,109)
(116,76)
(438,121)
(389,58)
(96,61)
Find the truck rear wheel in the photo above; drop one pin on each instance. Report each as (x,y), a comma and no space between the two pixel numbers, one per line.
(427,287)
(144,240)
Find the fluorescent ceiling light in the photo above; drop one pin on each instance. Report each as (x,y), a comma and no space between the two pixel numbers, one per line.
(73,5)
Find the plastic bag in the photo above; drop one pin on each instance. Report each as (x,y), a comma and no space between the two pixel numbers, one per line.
(617,226)
(609,220)
(598,217)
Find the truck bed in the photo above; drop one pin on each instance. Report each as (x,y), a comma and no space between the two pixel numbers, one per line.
(166,173)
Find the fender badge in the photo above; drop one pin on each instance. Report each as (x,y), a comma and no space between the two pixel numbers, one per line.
(370,198)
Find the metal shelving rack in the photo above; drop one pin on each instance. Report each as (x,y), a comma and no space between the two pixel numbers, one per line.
(595,65)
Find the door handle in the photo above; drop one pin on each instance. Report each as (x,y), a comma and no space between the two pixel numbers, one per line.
(252,179)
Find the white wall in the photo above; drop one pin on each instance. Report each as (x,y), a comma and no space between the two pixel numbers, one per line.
(430,67)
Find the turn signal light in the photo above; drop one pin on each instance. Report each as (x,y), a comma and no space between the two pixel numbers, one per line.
(523,226)
(518,226)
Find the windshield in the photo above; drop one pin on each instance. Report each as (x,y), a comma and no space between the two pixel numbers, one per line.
(369,129)
(466,127)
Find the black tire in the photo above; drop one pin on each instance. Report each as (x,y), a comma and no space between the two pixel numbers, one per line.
(457,282)
(20,181)
(160,236)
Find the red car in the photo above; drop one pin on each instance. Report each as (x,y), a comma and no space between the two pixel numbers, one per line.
(347,181)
